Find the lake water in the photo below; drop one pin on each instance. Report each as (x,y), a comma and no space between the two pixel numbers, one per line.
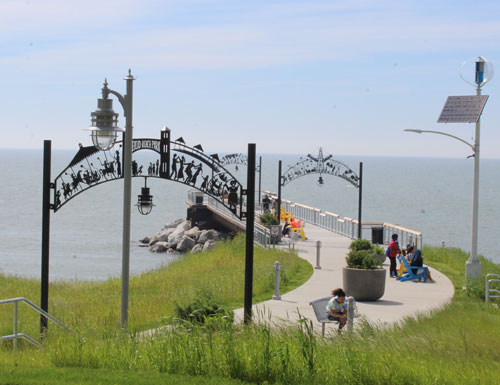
(433,196)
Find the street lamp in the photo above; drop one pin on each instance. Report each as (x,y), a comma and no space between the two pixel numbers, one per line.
(145,199)
(104,132)
(482,67)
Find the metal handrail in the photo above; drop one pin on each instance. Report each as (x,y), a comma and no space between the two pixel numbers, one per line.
(488,290)
(262,235)
(346,226)
(17,335)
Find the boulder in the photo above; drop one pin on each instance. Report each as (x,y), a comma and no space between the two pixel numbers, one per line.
(145,240)
(173,224)
(164,234)
(185,244)
(208,235)
(159,247)
(209,244)
(180,230)
(197,249)
(193,233)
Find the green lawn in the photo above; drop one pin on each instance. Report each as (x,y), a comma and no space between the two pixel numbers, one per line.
(455,345)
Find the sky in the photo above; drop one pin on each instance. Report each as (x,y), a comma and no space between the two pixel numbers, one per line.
(290,76)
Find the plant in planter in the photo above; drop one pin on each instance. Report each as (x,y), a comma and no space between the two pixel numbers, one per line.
(269,220)
(364,277)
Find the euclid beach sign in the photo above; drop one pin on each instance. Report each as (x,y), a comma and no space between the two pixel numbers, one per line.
(146,144)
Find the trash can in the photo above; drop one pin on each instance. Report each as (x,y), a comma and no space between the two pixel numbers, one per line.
(377,235)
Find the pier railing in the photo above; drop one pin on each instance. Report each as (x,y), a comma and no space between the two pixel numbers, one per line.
(348,227)
(262,234)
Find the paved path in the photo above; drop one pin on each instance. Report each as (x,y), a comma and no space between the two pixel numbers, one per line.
(401,299)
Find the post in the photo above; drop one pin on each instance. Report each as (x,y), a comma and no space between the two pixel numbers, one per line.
(127,199)
(260,178)
(277,271)
(279,191)
(247,318)
(44,301)
(350,313)
(473,265)
(14,343)
(360,198)
(318,248)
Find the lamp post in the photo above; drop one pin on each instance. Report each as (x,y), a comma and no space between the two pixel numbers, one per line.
(473,265)
(104,131)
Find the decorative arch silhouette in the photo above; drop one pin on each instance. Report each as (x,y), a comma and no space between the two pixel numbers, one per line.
(176,161)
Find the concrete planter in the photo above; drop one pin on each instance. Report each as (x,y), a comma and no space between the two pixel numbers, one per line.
(364,285)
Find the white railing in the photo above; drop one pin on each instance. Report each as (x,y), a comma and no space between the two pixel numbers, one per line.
(16,335)
(489,290)
(262,235)
(346,226)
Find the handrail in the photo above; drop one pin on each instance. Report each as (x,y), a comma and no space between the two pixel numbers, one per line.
(488,290)
(17,335)
(347,226)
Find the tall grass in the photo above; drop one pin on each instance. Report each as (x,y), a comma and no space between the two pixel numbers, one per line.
(455,345)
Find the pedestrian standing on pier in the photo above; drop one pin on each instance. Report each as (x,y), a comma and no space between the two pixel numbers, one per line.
(393,252)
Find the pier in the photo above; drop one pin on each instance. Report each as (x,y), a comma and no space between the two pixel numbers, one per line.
(401,299)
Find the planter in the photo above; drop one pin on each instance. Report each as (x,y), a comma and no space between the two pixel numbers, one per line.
(364,285)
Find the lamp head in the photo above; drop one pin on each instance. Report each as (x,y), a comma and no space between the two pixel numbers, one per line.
(415,131)
(104,128)
(145,200)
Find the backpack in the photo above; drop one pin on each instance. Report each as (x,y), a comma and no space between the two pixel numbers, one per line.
(387,251)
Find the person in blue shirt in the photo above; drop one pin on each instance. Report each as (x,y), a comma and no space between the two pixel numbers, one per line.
(337,308)
(414,256)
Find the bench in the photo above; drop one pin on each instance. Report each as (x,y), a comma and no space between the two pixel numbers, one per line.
(319,307)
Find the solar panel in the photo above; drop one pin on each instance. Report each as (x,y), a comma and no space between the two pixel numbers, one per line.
(463,109)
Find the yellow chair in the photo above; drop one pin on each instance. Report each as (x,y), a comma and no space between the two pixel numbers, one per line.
(285,215)
(300,229)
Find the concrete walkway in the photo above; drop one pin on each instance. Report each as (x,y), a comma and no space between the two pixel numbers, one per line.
(401,299)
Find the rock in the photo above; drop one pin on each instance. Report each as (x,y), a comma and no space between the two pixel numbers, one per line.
(197,249)
(185,244)
(208,235)
(159,247)
(209,245)
(174,224)
(164,234)
(193,233)
(145,240)
(180,230)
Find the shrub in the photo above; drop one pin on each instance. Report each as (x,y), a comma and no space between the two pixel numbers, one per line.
(361,244)
(268,219)
(201,309)
(362,255)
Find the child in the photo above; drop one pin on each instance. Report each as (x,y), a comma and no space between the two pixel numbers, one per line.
(337,308)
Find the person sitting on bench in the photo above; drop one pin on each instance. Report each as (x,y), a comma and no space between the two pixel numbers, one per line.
(337,308)
(415,258)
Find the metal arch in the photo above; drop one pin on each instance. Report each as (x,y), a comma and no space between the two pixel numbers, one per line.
(177,161)
(320,165)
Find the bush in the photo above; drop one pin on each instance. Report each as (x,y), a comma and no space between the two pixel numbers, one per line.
(362,255)
(268,219)
(361,244)
(201,309)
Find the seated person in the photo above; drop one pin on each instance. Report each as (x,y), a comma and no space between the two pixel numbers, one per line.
(415,258)
(337,308)
(286,228)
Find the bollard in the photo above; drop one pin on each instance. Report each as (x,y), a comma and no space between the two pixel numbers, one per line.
(277,270)
(443,244)
(318,247)
(350,313)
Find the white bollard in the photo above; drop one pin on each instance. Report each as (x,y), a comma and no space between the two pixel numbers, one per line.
(318,247)
(350,313)
(277,270)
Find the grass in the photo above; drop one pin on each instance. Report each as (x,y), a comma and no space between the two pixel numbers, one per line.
(455,345)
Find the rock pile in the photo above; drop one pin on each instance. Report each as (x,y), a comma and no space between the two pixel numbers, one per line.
(179,236)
